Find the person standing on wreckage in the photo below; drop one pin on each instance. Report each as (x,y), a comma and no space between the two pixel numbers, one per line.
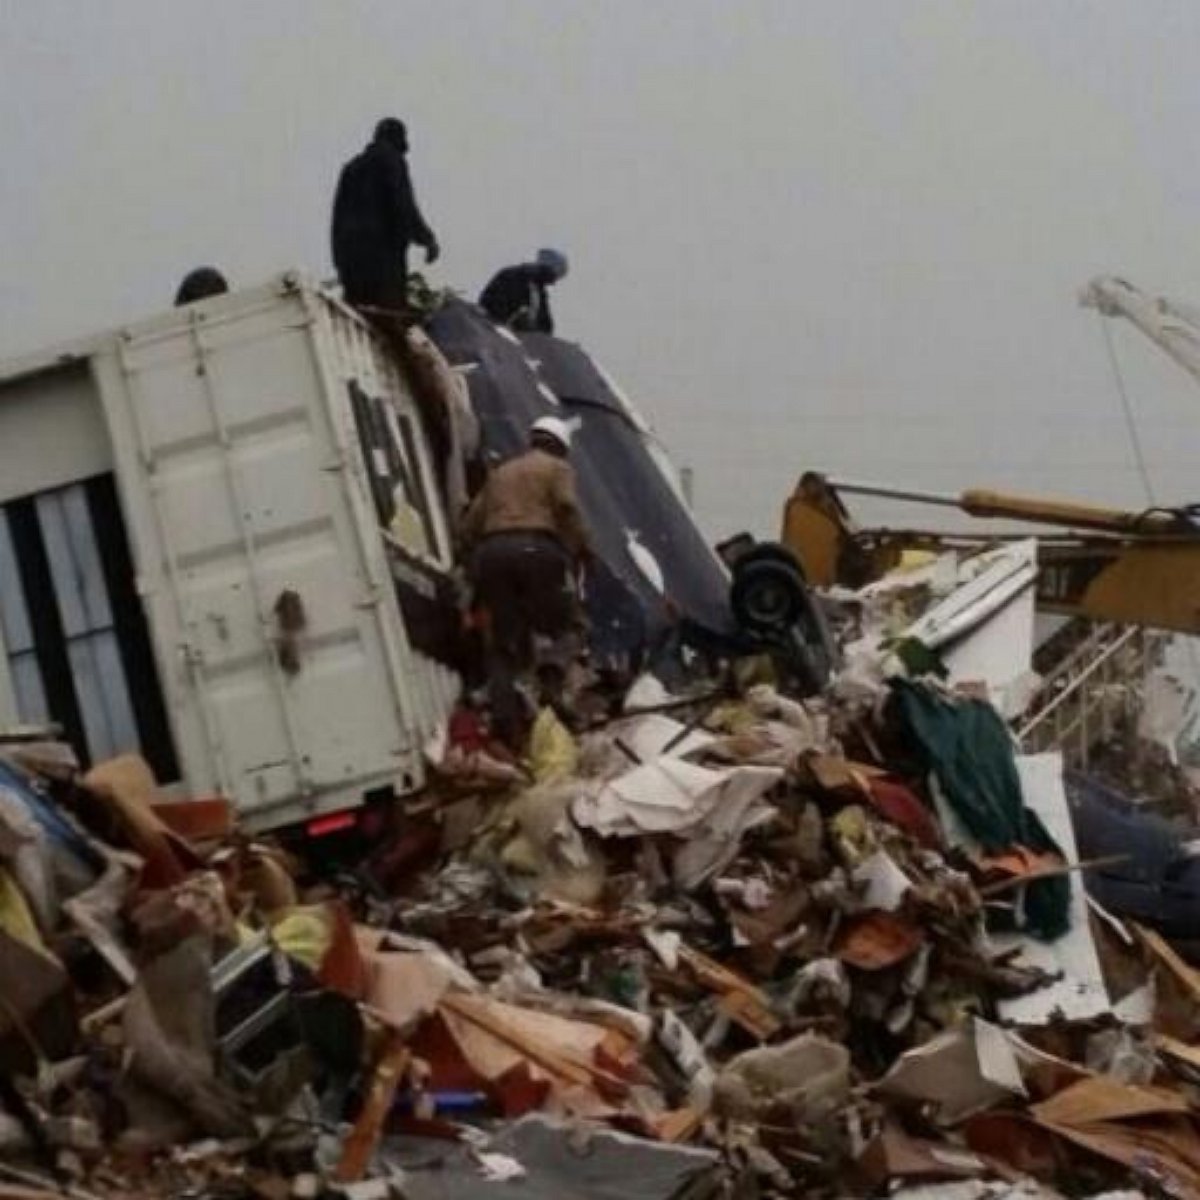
(519,296)
(526,540)
(375,220)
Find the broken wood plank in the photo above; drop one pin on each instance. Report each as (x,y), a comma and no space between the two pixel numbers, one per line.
(741,1001)
(364,1137)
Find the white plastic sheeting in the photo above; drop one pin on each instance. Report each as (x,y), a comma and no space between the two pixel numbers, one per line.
(984,628)
(1079,993)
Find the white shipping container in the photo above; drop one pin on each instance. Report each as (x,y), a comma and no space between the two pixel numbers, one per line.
(231,429)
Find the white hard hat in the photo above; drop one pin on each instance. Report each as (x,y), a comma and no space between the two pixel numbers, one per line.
(554,427)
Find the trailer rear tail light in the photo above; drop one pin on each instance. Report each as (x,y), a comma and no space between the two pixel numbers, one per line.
(333,823)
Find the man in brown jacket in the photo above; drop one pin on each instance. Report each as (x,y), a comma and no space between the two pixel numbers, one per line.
(526,537)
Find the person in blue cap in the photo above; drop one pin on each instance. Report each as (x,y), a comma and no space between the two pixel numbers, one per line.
(518,296)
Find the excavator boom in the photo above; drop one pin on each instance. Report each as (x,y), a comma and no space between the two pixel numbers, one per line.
(1130,567)
(1064,514)
(1106,564)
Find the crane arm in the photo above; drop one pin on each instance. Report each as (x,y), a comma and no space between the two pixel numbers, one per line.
(1171,324)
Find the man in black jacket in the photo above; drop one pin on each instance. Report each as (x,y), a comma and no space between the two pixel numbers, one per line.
(376,219)
(518,296)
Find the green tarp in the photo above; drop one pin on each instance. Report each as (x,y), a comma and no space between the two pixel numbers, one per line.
(968,748)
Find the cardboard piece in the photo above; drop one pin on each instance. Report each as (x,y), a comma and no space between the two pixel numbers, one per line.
(959,1072)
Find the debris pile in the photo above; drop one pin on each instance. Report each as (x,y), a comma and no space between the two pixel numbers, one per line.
(723,940)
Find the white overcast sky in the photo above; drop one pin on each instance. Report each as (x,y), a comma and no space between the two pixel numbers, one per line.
(844,234)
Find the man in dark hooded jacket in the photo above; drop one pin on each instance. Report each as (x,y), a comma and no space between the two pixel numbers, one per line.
(519,296)
(376,219)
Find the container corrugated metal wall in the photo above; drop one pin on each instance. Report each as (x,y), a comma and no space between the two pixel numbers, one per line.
(246,496)
(354,354)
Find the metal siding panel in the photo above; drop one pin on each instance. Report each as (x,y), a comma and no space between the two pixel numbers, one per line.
(122,724)
(14,616)
(90,692)
(62,567)
(81,537)
(28,693)
(82,600)
(28,689)
(52,431)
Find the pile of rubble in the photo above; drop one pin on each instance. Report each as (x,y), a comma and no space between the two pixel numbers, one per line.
(729,943)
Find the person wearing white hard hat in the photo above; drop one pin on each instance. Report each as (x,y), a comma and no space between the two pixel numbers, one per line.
(552,434)
(526,538)
(519,296)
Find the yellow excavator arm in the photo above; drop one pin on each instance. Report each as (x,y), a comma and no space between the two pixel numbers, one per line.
(1104,564)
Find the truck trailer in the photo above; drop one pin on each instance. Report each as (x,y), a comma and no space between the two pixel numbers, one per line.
(190,562)
(200,560)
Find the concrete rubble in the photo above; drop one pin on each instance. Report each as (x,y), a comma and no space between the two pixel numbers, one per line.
(760,946)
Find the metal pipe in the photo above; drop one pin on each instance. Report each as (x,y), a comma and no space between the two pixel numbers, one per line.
(859,488)
(979,502)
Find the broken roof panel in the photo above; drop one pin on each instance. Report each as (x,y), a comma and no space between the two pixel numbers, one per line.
(654,557)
